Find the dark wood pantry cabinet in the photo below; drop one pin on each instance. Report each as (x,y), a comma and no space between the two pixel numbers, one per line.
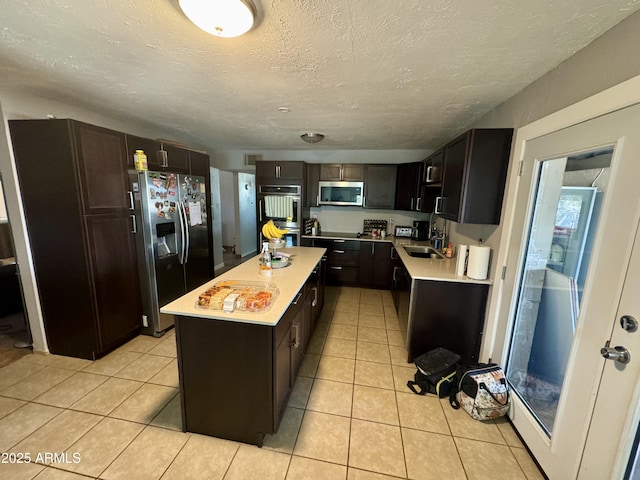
(78,210)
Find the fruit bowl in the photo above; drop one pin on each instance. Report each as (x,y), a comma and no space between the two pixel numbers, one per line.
(276,243)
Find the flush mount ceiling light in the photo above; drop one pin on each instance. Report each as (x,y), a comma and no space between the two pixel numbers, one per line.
(223,18)
(312,137)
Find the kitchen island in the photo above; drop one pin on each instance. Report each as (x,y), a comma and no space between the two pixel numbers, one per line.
(237,368)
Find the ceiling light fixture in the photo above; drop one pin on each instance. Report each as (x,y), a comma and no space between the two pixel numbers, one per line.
(223,18)
(312,137)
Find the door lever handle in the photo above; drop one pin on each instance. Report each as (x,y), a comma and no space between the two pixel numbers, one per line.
(618,354)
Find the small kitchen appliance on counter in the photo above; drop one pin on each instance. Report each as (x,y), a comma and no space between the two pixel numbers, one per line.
(420,230)
(404,231)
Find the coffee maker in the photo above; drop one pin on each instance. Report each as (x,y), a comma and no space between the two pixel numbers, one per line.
(420,230)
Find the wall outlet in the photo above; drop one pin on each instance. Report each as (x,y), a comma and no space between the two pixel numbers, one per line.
(392,220)
(145,321)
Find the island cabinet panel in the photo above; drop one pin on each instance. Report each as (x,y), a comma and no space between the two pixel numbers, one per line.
(226,378)
(236,378)
(449,315)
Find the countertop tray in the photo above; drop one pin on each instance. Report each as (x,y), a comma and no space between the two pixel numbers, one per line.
(248,296)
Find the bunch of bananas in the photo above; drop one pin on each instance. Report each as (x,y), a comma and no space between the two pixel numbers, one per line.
(269,230)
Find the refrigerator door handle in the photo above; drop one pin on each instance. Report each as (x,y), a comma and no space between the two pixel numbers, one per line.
(186,234)
(131,205)
(182,234)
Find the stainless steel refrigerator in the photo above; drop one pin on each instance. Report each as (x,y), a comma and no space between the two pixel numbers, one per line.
(172,245)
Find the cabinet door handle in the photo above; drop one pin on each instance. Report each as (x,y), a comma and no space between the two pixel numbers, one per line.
(260,209)
(438,208)
(429,177)
(411,203)
(315,296)
(335,268)
(277,171)
(393,257)
(317,200)
(296,340)
(297,299)
(163,158)
(373,248)
(339,241)
(338,251)
(418,201)
(134,228)
(131,206)
(395,270)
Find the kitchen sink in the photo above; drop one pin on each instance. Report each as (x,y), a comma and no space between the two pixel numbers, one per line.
(423,252)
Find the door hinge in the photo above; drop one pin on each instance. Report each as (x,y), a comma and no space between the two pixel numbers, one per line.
(520,168)
(504,272)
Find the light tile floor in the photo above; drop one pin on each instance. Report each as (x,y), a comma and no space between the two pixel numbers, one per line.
(350,415)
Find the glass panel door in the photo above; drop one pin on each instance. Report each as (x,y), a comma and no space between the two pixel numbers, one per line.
(562,228)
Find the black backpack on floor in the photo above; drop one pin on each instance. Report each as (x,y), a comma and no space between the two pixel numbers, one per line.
(435,373)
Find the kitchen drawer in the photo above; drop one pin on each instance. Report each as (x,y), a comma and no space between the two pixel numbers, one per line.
(345,244)
(346,258)
(340,275)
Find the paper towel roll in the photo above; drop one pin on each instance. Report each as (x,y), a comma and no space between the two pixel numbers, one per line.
(461,260)
(478,266)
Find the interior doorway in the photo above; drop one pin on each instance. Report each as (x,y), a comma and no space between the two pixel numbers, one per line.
(15,339)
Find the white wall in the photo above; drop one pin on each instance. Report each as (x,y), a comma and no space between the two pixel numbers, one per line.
(216,221)
(350,219)
(228,206)
(247,225)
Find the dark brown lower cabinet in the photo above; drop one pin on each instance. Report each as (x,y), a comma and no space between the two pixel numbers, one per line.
(449,315)
(236,378)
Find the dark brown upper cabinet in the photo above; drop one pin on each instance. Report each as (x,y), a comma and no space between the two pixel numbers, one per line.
(342,172)
(101,165)
(473,180)
(408,186)
(160,155)
(380,186)
(312,196)
(280,173)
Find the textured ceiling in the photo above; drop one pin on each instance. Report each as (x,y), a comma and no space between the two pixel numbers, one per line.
(368,74)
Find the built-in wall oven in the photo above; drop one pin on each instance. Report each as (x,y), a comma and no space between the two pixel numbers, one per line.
(283,205)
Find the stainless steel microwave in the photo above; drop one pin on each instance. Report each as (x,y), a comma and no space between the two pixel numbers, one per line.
(341,193)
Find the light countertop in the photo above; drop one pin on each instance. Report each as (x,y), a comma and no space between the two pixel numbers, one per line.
(419,268)
(288,280)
